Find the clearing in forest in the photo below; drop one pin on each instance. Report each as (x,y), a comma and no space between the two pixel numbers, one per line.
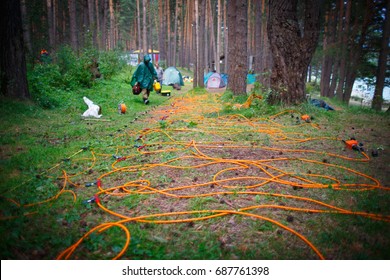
(196,183)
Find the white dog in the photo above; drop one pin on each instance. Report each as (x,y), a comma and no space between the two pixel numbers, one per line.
(93,109)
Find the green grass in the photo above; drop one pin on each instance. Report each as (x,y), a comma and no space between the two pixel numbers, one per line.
(33,140)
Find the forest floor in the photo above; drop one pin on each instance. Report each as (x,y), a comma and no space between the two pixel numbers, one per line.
(194,179)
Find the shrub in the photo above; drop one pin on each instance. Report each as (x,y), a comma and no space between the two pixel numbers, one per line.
(313,88)
(68,72)
(75,70)
(44,80)
(110,63)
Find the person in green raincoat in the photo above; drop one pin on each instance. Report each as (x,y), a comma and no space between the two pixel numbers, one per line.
(144,75)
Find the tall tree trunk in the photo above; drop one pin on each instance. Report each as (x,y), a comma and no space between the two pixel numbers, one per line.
(287,42)
(26,27)
(344,53)
(258,50)
(50,22)
(196,53)
(266,56)
(238,55)
(55,33)
(149,31)
(13,75)
(207,45)
(219,19)
(169,34)
(326,61)
(98,29)
(104,23)
(181,37)
(201,36)
(382,62)
(225,36)
(162,34)
(250,35)
(140,47)
(73,24)
(175,41)
(91,19)
(189,36)
(336,45)
(212,35)
(144,28)
(112,25)
(357,52)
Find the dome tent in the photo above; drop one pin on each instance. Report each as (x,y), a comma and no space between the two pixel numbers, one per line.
(172,76)
(214,80)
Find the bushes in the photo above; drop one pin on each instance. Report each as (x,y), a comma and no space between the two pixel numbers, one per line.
(75,70)
(44,80)
(313,89)
(110,64)
(69,71)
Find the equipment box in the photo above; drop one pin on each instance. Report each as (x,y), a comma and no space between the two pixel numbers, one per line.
(166,93)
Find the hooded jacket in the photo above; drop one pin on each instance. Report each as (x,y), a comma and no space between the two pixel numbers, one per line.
(145,74)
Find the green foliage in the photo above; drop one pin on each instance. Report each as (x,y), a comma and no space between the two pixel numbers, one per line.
(70,72)
(313,88)
(44,80)
(75,70)
(110,63)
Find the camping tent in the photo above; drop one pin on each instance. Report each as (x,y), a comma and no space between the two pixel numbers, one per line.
(214,80)
(172,76)
(250,79)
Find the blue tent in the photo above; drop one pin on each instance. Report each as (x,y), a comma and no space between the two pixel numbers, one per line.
(206,77)
(172,76)
(250,78)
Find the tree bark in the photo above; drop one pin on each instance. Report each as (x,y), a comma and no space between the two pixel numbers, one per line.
(287,41)
(50,22)
(13,78)
(344,53)
(169,35)
(175,41)
(26,27)
(91,20)
(144,28)
(326,61)
(104,24)
(360,30)
(266,56)
(225,36)
(258,50)
(98,29)
(238,51)
(382,62)
(219,19)
(139,28)
(73,24)
(112,25)
(196,53)
(201,29)
(161,38)
(212,36)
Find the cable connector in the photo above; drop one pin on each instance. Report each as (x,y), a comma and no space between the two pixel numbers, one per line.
(95,199)
(117,157)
